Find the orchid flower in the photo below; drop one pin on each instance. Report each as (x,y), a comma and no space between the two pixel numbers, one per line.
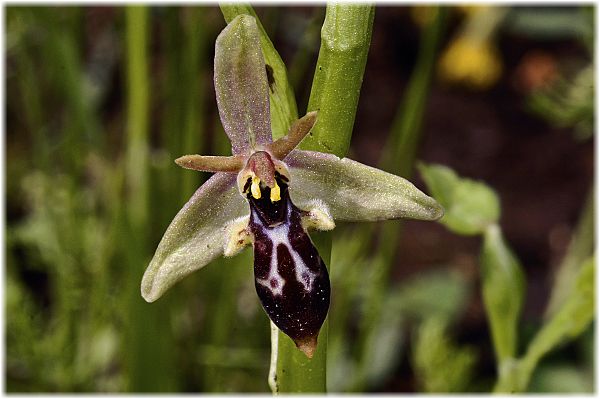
(269,194)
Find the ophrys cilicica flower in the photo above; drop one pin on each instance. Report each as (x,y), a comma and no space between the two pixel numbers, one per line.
(269,194)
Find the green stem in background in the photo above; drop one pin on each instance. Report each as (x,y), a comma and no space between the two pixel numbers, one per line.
(580,247)
(503,292)
(30,83)
(405,134)
(398,158)
(569,321)
(485,23)
(401,148)
(137,114)
(184,39)
(148,337)
(195,48)
(81,130)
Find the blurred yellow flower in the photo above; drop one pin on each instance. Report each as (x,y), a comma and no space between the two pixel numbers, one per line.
(470,10)
(423,15)
(470,61)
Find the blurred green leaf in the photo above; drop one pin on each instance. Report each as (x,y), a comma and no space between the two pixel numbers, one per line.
(385,343)
(503,291)
(580,248)
(568,102)
(342,369)
(419,296)
(569,321)
(440,365)
(551,23)
(562,378)
(415,299)
(470,206)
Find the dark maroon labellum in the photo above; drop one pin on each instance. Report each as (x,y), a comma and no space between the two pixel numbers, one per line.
(290,277)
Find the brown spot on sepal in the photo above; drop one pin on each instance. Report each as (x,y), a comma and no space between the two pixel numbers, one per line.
(270,77)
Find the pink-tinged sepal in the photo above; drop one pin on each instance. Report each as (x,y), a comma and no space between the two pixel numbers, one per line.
(241,86)
(356,192)
(290,277)
(196,236)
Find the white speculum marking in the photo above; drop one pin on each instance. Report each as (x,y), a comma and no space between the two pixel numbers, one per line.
(279,235)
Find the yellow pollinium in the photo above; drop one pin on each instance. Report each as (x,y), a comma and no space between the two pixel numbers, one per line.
(255,190)
(255,187)
(275,193)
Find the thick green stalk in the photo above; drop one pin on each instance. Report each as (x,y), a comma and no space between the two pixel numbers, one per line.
(345,41)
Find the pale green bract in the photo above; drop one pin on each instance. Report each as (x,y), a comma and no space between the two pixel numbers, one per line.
(344,189)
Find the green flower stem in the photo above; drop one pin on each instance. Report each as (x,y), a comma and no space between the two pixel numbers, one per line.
(345,41)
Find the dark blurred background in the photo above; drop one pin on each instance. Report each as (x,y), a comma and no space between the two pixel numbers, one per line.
(90,191)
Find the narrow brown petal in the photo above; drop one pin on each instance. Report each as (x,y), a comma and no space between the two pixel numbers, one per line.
(208,163)
(282,147)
